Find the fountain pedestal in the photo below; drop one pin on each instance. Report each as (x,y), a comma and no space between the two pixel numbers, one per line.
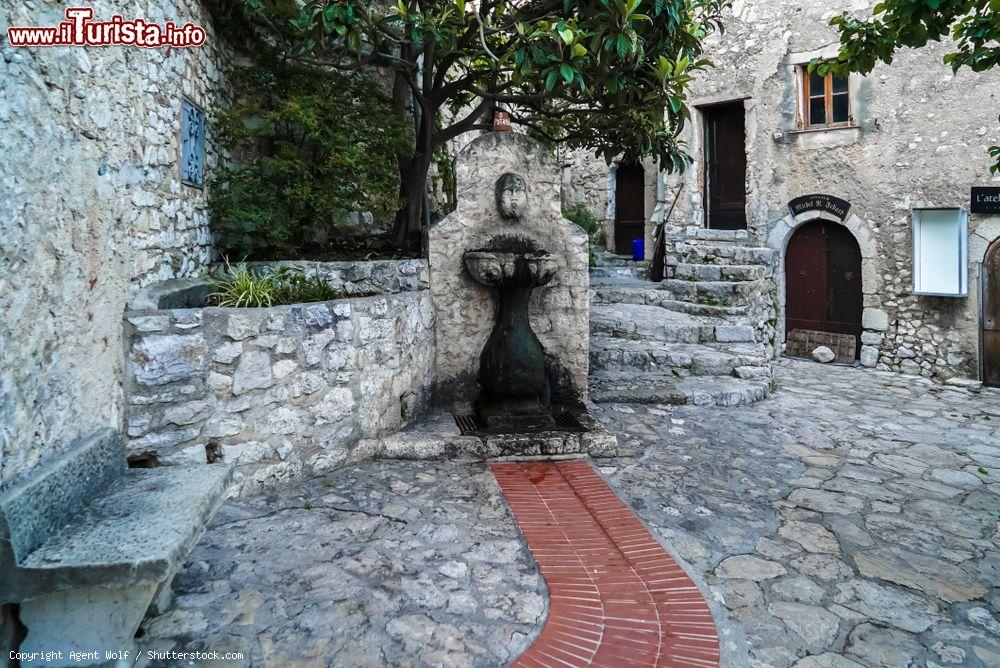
(512,375)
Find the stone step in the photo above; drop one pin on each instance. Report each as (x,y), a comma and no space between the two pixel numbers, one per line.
(653,323)
(606,259)
(704,234)
(720,272)
(662,388)
(619,292)
(713,252)
(633,272)
(714,293)
(680,359)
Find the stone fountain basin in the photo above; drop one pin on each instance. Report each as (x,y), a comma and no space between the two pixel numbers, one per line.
(509,269)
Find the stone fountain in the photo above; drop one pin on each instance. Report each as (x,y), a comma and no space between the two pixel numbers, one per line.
(509,287)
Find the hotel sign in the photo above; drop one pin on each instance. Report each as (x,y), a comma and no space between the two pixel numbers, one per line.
(986,200)
(826,203)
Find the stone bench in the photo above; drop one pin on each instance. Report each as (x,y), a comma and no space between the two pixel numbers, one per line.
(87,543)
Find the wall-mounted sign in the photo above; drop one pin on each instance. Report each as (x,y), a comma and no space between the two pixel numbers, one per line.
(192,144)
(986,199)
(827,203)
(940,252)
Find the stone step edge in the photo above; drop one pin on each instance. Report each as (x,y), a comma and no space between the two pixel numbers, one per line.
(604,342)
(758,390)
(437,437)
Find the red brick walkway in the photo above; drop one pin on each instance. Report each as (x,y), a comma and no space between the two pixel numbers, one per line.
(616,598)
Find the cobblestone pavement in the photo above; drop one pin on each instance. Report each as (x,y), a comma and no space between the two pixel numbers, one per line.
(388,564)
(850,520)
(846,521)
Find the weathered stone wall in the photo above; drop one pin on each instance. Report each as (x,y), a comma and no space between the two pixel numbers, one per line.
(276,391)
(919,139)
(464,309)
(91,206)
(584,181)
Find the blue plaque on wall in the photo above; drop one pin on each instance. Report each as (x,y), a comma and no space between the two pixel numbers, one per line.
(192,144)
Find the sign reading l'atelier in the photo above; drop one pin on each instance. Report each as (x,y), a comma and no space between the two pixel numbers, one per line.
(818,202)
(985,199)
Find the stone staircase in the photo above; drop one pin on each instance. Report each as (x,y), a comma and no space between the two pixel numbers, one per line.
(694,337)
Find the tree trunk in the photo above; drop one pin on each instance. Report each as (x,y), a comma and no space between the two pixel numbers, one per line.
(408,227)
(413,171)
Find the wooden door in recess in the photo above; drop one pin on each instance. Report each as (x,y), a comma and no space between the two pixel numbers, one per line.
(823,280)
(630,206)
(805,280)
(991,316)
(725,167)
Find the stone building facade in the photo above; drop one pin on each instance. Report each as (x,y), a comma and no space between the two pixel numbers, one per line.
(91,208)
(917,137)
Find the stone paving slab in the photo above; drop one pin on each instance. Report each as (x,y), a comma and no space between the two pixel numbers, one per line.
(386,564)
(849,520)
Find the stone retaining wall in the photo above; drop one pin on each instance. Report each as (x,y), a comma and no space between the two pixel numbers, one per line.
(355,279)
(276,391)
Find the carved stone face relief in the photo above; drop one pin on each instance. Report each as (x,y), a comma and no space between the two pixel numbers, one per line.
(512,196)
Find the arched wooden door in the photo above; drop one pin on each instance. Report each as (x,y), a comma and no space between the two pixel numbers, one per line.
(991,316)
(630,206)
(823,280)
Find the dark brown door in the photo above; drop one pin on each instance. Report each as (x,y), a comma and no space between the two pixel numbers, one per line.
(630,207)
(725,167)
(991,316)
(823,280)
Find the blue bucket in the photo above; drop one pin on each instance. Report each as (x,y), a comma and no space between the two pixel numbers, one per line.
(639,249)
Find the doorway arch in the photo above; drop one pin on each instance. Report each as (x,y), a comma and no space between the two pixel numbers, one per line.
(991,315)
(823,289)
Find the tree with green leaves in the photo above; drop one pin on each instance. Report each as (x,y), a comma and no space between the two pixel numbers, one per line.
(973,26)
(607,75)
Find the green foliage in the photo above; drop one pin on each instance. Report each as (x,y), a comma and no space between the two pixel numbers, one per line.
(578,214)
(242,287)
(608,75)
(307,147)
(446,179)
(973,26)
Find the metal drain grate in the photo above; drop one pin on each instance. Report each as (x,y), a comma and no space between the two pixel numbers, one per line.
(568,422)
(470,425)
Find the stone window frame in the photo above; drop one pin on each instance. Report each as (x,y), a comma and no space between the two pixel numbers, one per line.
(798,63)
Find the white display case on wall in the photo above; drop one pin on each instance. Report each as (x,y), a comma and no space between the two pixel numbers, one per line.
(941,252)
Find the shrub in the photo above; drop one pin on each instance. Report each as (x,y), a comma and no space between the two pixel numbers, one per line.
(579,214)
(307,147)
(242,287)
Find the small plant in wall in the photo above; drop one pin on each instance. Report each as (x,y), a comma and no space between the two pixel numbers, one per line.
(240,286)
(579,214)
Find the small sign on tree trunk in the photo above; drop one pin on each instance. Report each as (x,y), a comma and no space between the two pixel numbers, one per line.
(501,121)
